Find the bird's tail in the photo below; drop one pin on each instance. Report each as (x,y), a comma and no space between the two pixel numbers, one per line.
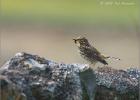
(109,57)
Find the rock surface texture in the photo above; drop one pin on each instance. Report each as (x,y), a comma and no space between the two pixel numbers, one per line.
(30,77)
(115,84)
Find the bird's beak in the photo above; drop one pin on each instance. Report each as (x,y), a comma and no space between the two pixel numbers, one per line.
(75,41)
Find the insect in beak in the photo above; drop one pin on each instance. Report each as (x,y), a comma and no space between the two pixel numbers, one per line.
(75,41)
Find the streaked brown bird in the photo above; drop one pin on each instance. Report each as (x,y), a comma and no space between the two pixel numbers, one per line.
(90,53)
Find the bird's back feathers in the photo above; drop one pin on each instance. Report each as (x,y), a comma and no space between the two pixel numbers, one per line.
(91,54)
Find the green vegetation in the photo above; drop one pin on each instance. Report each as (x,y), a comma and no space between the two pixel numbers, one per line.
(70,11)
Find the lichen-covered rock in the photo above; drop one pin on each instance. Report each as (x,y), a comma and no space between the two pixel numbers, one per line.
(41,79)
(134,73)
(115,84)
(30,77)
(9,91)
(119,80)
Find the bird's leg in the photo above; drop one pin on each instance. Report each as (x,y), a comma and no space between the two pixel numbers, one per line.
(92,65)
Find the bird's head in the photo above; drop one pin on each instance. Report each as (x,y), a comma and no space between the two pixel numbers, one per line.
(81,41)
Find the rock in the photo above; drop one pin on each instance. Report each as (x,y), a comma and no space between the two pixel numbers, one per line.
(9,91)
(30,77)
(89,82)
(115,84)
(41,79)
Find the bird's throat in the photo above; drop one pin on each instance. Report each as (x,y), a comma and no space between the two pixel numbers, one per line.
(78,44)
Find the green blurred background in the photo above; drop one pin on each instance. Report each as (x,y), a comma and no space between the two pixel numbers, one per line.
(46,28)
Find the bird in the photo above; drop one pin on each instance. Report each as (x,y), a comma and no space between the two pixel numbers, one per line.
(90,53)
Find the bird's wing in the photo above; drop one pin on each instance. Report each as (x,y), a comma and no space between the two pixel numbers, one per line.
(92,52)
(93,49)
(95,54)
